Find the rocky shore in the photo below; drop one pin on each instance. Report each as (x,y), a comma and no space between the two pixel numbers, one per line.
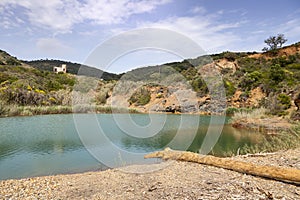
(179,180)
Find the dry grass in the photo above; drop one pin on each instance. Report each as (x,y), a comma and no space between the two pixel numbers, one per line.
(282,141)
(14,110)
(258,113)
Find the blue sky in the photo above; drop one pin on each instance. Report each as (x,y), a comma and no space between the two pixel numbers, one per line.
(71,29)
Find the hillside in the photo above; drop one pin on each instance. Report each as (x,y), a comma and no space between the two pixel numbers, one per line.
(21,84)
(251,80)
(73,68)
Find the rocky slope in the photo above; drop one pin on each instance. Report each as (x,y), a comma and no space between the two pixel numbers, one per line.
(207,84)
(250,80)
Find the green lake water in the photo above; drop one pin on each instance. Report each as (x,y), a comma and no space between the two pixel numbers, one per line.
(57,144)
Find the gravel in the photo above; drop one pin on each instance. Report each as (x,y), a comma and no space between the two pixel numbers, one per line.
(179,180)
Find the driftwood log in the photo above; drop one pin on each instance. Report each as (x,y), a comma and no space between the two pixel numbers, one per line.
(290,175)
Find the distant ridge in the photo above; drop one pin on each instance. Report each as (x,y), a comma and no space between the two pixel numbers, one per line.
(73,68)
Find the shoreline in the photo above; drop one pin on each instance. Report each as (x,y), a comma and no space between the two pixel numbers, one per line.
(177,180)
(270,125)
(25,111)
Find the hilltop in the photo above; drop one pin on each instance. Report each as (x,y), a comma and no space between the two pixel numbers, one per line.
(73,68)
(250,79)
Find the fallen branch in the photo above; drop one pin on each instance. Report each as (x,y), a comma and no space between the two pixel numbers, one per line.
(267,194)
(290,175)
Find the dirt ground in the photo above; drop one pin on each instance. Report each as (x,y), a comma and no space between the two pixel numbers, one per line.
(179,180)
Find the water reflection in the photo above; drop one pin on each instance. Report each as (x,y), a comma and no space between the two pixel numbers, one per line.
(43,145)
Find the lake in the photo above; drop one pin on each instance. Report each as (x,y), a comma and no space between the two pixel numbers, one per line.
(57,144)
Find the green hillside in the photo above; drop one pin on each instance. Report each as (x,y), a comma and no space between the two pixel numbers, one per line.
(21,84)
(275,75)
(251,80)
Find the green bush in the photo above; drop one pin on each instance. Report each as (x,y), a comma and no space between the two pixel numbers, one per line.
(284,100)
(189,73)
(231,110)
(276,74)
(230,56)
(251,64)
(230,89)
(294,66)
(140,97)
(19,69)
(13,61)
(7,77)
(199,86)
(54,85)
(251,80)
(277,104)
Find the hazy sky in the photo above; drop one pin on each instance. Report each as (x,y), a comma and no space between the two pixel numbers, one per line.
(71,29)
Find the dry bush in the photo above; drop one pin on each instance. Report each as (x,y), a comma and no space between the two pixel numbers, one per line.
(258,113)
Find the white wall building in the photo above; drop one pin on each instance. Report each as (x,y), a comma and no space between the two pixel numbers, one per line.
(63,69)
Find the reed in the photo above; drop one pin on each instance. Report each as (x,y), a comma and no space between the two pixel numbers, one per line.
(14,110)
(258,113)
(271,143)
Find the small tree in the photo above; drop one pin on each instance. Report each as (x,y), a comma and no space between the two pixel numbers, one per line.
(274,42)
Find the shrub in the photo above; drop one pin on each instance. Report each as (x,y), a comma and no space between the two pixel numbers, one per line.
(101,98)
(294,66)
(251,80)
(24,97)
(277,104)
(3,109)
(13,61)
(14,110)
(199,86)
(230,56)
(283,141)
(284,100)
(54,85)
(276,74)
(231,110)
(250,114)
(7,77)
(230,89)
(65,79)
(140,97)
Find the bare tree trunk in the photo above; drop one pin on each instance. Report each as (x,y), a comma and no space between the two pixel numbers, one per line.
(290,175)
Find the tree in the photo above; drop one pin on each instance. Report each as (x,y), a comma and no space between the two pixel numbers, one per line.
(274,42)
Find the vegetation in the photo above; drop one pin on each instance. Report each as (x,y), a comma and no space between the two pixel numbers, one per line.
(282,141)
(13,110)
(28,86)
(249,114)
(277,76)
(140,97)
(73,68)
(274,42)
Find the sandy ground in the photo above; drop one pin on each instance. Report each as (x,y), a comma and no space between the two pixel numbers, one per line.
(179,180)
